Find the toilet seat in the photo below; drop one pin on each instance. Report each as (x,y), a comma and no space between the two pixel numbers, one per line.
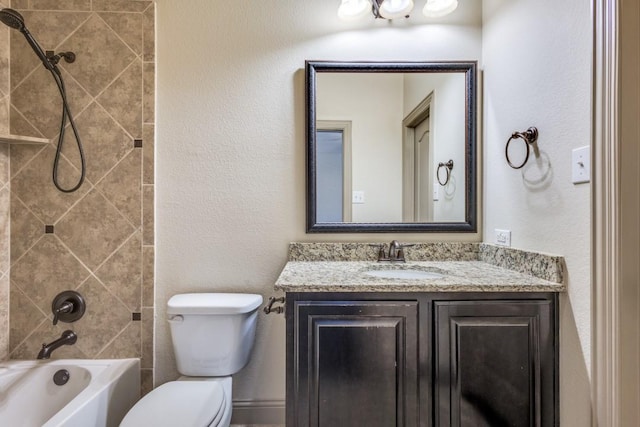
(179,403)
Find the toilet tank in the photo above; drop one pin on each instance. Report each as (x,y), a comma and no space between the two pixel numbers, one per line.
(212,333)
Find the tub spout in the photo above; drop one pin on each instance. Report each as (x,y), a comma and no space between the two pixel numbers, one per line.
(67,338)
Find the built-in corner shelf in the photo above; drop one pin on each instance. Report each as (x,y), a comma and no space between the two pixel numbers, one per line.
(19,139)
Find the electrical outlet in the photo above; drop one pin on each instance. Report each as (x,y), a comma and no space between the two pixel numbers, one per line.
(357,197)
(503,237)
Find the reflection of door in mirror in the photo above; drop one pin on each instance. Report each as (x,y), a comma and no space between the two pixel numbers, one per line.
(423,203)
(417,158)
(333,154)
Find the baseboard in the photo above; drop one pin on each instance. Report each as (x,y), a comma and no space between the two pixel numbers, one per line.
(258,412)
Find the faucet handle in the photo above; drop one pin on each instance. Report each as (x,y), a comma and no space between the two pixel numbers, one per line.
(382,256)
(65,307)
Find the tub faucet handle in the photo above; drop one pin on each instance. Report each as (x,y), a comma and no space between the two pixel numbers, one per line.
(66,307)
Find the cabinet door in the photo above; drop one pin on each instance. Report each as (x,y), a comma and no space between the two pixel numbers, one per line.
(494,363)
(355,364)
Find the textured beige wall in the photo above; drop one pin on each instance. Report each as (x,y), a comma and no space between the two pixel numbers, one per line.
(102,243)
(231,148)
(539,74)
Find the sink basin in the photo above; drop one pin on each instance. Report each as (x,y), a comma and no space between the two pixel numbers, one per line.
(404,274)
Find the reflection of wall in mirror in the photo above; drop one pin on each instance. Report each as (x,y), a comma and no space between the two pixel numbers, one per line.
(448,127)
(373,103)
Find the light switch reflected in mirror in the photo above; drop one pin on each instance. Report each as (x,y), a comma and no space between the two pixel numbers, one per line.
(377,133)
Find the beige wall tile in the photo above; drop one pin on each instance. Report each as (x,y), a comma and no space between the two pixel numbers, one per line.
(146,380)
(148,148)
(104,142)
(46,333)
(149,92)
(27,98)
(149,46)
(125,345)
(61,5)
(120,5)
(100,59)
(4,164)
(26,229)
(128,26)
(97,230)
(47,269)
(4,317)
(5,215)
(122,273)
(122,186)
(148,276)
(147,338)
(24,317)
(147,214)
(34,188)
(122,99)
(105,318)
(93,229)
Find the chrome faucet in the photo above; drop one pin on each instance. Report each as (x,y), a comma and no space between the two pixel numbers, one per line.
(395,254)
(67,338)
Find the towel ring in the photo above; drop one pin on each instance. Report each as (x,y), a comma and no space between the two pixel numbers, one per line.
(530,136)
(447,167)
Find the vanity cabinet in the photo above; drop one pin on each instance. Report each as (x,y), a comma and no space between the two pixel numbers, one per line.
(421,359)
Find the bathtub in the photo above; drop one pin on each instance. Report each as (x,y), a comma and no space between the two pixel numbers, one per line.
(98,393)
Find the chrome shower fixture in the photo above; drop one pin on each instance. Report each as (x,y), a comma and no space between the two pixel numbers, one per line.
(50,60)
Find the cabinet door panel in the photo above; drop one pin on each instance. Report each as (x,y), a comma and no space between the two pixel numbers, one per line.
(357,363)
(494,363)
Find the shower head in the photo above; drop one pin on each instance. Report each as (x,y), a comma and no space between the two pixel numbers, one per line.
(14,20)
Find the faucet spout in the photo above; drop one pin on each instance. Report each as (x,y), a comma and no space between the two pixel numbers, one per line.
(67,338)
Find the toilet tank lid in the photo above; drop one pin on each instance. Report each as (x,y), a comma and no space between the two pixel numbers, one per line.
(213,303)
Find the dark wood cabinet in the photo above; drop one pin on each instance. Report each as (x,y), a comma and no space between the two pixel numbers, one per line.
(494,363)
(357,363)
(421,359)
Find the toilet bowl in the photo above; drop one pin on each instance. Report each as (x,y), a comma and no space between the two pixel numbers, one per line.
(212,336)
(194,402)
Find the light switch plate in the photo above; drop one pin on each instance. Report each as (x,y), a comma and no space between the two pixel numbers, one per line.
(581,165)
(357,197)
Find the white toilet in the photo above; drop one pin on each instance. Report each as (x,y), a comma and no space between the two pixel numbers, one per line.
(212,338)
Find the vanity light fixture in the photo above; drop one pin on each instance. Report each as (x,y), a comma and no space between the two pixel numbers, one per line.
(439,8)
(392,9)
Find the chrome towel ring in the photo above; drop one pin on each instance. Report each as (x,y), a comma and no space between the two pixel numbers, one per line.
(530,136)
(447,168)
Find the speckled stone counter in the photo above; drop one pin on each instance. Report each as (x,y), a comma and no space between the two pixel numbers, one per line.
(465,267)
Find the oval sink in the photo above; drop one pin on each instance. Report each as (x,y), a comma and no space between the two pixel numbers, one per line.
(404,274)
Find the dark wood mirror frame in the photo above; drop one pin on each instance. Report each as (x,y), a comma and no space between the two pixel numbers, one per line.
(469,225)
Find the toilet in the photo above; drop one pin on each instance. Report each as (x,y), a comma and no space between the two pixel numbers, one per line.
(212,335)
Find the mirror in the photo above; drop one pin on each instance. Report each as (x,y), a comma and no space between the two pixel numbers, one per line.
(391,147)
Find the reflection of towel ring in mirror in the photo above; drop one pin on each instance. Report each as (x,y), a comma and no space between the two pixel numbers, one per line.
(530,136)
(447,168)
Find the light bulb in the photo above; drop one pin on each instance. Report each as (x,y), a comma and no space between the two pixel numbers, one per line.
(439,8)
(391,9)
(353,9)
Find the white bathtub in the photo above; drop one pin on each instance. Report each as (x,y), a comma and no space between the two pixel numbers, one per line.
(98,393)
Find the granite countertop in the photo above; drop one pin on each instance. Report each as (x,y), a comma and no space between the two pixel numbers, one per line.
(499,272)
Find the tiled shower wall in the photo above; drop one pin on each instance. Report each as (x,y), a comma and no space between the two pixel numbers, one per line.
(98,240)
(4,192)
